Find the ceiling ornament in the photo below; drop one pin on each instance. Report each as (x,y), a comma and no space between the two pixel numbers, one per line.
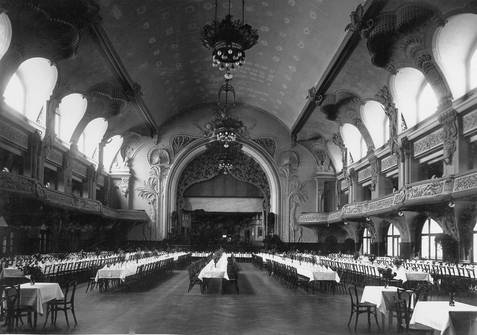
(228,40)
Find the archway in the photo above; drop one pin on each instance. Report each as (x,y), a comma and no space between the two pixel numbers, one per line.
(196,148)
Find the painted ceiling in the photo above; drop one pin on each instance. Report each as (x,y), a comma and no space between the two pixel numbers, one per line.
(159,44)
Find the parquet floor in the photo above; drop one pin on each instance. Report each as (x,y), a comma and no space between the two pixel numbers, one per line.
(264,306)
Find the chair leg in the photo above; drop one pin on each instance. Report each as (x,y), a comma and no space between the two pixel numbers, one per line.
(350,316)
(369,318)
(376,319)
(66,317)
(356,321)
(74,315)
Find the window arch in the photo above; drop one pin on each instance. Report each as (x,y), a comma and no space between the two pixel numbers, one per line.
(38,78)
(429,248)
(473,70)
(69,113)
(5,34)
(376,122)
(354,142)
(110,151)
(455,45)
(93,134)
(366,246)
(414,97)
(393,238)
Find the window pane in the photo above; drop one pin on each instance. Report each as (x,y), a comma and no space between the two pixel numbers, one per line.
(425,247)
(427,103)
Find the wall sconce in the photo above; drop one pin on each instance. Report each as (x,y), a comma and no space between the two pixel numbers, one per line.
(451,204)
(400,213)
(368,219)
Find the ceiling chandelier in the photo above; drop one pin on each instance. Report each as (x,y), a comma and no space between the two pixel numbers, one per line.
(228,40)
(226,129)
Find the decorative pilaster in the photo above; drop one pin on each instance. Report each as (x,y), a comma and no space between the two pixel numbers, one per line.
(48,139)
(385,97)
(448,120)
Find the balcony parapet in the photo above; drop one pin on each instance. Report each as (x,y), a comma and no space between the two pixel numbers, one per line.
(424,192)
(28,187)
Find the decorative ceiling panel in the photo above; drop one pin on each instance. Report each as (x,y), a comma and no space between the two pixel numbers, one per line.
(159,43)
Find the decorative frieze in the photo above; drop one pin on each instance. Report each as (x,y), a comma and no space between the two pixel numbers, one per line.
(389,162)
(469,122)
(79,168)
(312,217)
(55,156)
(13,135)
(364,174)
(465,183)
(428,142)
(381,204)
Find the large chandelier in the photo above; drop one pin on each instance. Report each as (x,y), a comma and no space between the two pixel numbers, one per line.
(228,40)
(226,129)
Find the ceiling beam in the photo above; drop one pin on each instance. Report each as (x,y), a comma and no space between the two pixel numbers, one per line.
(346,48)
(131,88)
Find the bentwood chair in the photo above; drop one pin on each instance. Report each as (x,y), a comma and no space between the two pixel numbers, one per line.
(358,308)
(15,310)
(66,304)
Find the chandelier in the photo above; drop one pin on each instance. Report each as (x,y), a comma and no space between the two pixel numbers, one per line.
(225,166)
(226,129)
(228,40)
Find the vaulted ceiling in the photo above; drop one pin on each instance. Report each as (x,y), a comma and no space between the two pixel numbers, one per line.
(159,44)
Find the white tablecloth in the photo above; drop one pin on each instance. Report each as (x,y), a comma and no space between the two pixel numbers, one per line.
(123,270)
(380,296)
(212,270)
(11,273)
(38,294)
(407,275)
(437,315)
(306,269)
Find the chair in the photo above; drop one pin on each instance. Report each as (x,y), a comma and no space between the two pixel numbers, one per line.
(15,310)
(358,308)
(232,271)
(65,304)
(193,278)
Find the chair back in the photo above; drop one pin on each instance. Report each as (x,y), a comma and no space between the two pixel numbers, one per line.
(353,293)
(69,291)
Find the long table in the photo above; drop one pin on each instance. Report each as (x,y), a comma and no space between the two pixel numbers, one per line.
(213,270)
(314,272)
(123,270)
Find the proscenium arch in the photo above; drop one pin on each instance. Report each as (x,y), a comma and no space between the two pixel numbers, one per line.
(196,148)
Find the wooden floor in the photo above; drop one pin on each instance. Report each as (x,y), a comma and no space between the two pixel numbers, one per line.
(264,306)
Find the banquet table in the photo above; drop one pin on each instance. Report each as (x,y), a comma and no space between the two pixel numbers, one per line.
(314,272)
(409,275)
(11,273)
(440,316)
(123,270)
(380,296)
(212,270)
(39,293)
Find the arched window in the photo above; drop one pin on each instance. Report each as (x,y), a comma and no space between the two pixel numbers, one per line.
(455,45)
(393,238)
(5,34)
(354,142)
(475,244)
(414,97)
(335,156)
(366,246)
(473,70)
(110,151)
(429,248)
(38,79)
(93,134)
(69,114)
(376,122)
(14,94)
